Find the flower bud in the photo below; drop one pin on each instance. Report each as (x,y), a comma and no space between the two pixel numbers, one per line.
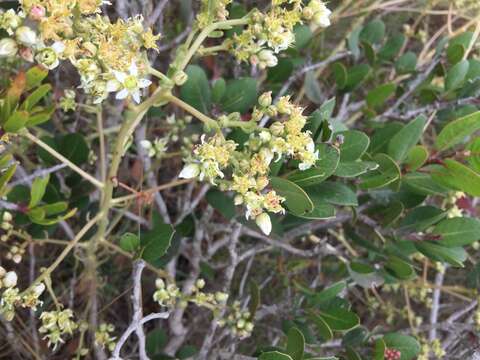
(8,48)
(265,99)
(277,128)
(7,216)
(264,223)
(26,36)
(2,272)
(221,297)
(37,12)
(39,289)
(180,78)
(267,58)
(322,17)
(10,279)
(238,200)
(160,284)
(200,283)
(190,171)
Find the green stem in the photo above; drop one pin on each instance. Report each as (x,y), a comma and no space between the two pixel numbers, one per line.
(209,122)
(65,252)
(222,25)
(63,159)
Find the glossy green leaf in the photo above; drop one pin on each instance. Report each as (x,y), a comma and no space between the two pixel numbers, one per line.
(373,32)
(456,75)
(452,255)
(399,268)
(416,158)
(456,131)
(404,140)
(323,169)
(340,73)
(129,242)
(296,199)
(457,176)
(421,218)
(156,242)
(322,327)
(35,76)
(240,95)
(354,145)
(339,319)
(74,147)
(458,231)
(218,90)
(274,355)
(37,192)
(5,178)
(16,121)
(333,192)
(407,345)
(321,211)
(474,154)
(36,96)
(196,91)
(378,96)
(295,344)
(312,88)
(329,293)
(352,169)
(423,184)
(221,202)
(364,275)
(406,63)
(386,173)
(392,47)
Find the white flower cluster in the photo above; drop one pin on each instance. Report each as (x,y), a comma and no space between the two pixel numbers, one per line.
(268,34)
(250,167)
(15,250)
(239,322)
(110,57)
(56,324)
(156,148)
(12,298)
(453,209)
(104,338)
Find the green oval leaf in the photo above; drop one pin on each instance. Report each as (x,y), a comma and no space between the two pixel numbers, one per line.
(296,199)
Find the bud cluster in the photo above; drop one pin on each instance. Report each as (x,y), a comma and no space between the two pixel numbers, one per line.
(239,322)
(15,250)
(104,338)
(453,209)
(268,34)
(11,297)
(170,296)
(56,324)
(249,168)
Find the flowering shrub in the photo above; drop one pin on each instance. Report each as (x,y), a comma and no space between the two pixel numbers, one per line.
(284,180)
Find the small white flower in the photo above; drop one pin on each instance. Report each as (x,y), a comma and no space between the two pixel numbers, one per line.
(2,271)
(50,56)
(148,147)
(238,200)
(39,289)
(267,59)
(8,48)
(264,223)
(190,171)
(10,279)
(322,15)
(127,84)
(26,36)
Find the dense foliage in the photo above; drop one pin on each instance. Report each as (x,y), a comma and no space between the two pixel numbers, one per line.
(273,180)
